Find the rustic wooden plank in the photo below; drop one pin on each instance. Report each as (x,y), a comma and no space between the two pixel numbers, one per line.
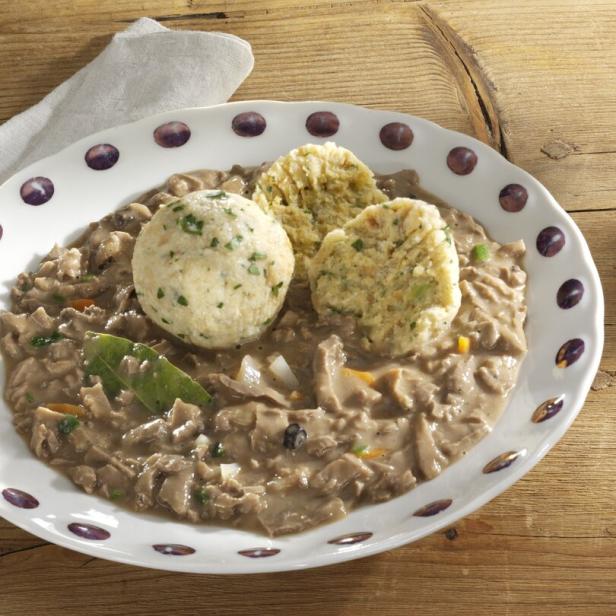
(511,574)
(533,79)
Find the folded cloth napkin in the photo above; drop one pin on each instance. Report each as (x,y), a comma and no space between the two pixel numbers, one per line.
(144,70)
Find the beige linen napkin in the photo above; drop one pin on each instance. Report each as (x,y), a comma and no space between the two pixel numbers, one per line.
(144,70)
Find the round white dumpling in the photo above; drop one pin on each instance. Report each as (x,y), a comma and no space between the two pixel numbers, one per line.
(212,268)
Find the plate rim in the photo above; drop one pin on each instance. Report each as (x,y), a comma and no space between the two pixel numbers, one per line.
(526,463)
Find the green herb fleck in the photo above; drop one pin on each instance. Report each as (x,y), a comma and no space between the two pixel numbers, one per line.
(165,321)
(238,238)
(267,321)
(251,229)
(359,449)
(447,231)
(171,254)
(221,194)
(254,270)
(116,494)
(41,341)
(160,293)
(396,222)
(257,256)
(420,290)
(67,424)
(218,451)
(87,277)
(182,301)
(220,304)
(29,397)
(214,242)
(480,253)
(178,208)
(230,212)
(237,286)
(276,288)
(229,245)
(59,299)
(413,324)
(190,224)
(201,496)
(358,244)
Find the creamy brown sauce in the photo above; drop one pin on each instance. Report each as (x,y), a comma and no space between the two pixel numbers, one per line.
(369,438)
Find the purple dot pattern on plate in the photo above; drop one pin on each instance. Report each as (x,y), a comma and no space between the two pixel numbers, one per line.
(102,156)
(89,531)
(19,498)
(569,352)
(259,552)
(396,136)
(546,410)
(569,294)
(37,191)
(502,461)
(248,124)
(350,539)
(461,160)
(172,134)
(513,198)
(174,549)
(433,508)
(1,231)
(322,124)
(550,241)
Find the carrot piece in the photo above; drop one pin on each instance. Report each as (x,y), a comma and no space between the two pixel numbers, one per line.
(366,377)
(464,344)
(81,304)
(66,409)
(370,454)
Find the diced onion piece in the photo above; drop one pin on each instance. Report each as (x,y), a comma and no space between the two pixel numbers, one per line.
(202,441)
(282,371)
(249,371)
(366,377)
(464,344)
(66,409)
(228,471)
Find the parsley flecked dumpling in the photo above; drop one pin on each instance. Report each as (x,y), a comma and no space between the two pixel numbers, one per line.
(394,269)
(314,189)
(212,268)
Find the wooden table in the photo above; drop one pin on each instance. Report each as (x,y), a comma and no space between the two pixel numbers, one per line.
(535,79)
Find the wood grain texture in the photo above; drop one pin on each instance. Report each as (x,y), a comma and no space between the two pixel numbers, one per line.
(533,78)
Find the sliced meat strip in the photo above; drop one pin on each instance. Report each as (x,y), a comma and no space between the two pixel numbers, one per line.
(84,476)
(277,519)
(339,473)
(45,440)
(243,391)
(429,459)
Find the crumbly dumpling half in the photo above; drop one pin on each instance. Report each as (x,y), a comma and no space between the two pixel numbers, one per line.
(394,268)
(212,268)
(314,189)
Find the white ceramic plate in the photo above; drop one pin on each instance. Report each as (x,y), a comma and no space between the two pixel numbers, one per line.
(86,187)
